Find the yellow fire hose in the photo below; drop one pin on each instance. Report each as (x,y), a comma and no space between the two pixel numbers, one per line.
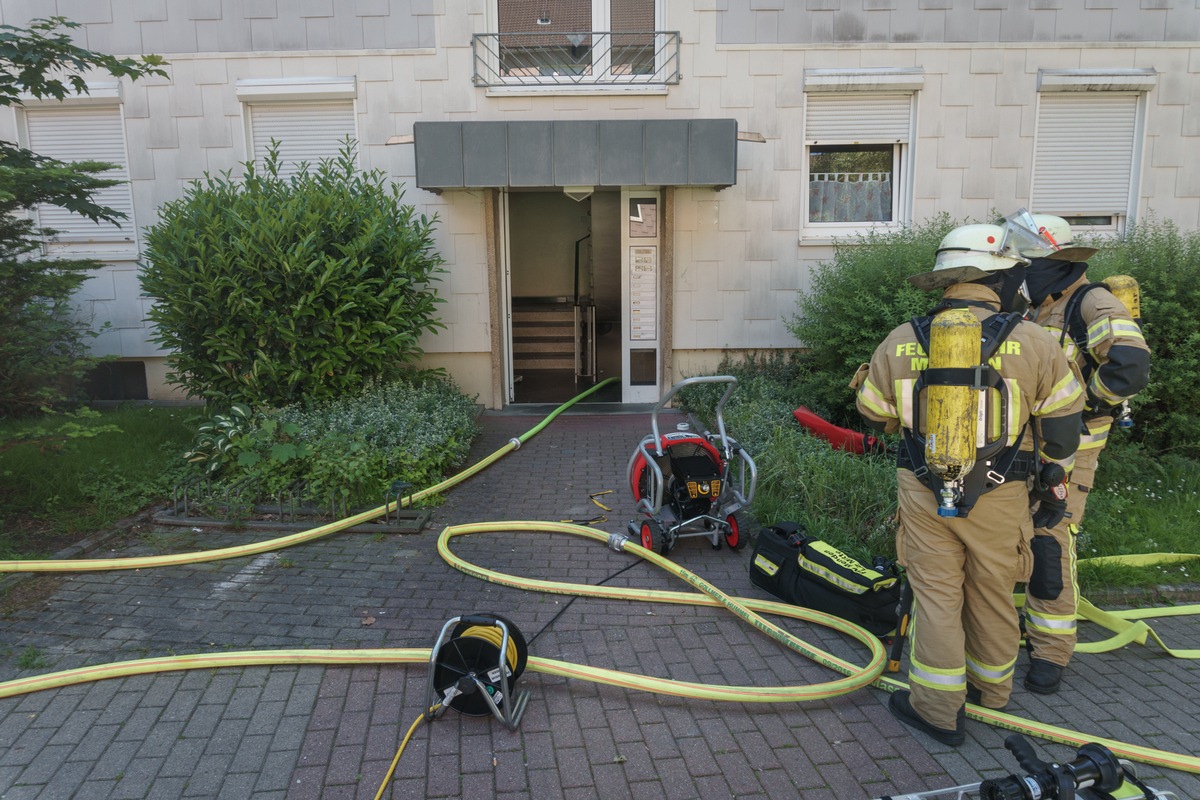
(704,594)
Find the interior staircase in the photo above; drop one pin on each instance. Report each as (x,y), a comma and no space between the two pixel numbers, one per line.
(543,334)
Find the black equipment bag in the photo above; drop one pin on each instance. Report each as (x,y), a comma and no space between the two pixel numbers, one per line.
(805,571)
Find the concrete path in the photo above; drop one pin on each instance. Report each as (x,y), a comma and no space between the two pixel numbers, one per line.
(330,732)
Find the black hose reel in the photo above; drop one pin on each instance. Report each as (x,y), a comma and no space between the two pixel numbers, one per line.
(474,666)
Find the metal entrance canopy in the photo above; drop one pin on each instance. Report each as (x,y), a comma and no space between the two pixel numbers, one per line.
(545,153)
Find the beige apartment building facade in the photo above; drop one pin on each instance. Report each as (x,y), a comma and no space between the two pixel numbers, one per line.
(630,188)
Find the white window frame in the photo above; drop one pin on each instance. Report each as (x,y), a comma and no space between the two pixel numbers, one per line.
(300,96)
(1088,92)
(601,21)
(80,237)
(865,85)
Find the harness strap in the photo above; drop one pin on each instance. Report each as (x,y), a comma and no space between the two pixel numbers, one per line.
(1076,327)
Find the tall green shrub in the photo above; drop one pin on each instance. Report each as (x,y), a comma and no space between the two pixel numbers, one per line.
(1166,264)
(270,290)
(853,302)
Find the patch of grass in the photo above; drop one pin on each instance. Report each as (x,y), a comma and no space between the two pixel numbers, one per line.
(1141,504)
(844,499)
(50,497)
(32,658)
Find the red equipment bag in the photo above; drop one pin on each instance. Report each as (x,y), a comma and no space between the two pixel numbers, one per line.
(840,438)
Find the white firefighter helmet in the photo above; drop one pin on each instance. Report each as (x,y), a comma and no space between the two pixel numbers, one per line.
(1058,232)
(969,253)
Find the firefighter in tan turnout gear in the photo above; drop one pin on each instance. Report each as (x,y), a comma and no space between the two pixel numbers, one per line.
(1097,332)
(965,521)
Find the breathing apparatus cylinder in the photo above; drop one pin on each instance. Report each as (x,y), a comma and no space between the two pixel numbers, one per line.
(1125,288)
(952,412)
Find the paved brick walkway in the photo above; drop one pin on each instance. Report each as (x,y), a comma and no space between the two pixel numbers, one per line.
(315,732)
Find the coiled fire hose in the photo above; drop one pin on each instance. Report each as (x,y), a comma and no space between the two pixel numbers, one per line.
(704,594)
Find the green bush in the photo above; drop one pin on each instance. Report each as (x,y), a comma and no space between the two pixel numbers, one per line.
(43,340)
(1166,264)
(348,450)
(273,290)
(853,303)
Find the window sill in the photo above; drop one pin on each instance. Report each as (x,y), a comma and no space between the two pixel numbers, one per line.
(92,250)
(828,236)
(577,90)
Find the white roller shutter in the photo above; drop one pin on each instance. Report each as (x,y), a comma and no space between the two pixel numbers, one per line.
(85,134)
(857,119)
(307,132)
(1084,156)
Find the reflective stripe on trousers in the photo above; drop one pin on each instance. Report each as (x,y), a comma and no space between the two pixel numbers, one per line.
(988,673)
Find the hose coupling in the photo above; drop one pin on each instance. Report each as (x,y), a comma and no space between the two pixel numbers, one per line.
(515,442)
(617,541)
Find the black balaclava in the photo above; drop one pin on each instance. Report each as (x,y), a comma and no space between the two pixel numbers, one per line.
(1046,276)
(1007,285)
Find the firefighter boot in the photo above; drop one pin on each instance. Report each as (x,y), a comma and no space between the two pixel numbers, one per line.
(902,709)
(975,697)
(1043,677)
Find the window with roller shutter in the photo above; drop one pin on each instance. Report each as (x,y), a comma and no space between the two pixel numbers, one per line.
(857,151)
(85,133)
(1086,157)
(307,132)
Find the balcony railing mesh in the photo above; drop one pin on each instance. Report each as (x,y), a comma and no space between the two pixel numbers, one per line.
(589,58)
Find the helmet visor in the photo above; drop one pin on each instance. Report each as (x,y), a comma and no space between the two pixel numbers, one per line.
(1022,234)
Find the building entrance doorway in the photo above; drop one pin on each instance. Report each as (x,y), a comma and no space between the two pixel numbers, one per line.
(564,282)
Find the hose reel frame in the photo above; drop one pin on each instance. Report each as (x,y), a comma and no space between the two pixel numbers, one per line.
(473,667)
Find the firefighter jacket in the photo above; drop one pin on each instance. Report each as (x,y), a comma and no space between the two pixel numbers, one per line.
(1041,383)
(1115,359)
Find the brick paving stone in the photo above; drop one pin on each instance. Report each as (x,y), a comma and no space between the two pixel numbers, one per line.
(289,734)
(307,783)
(137,779)
(41,768)
(444,777)
(344,765)
(23,793)
(184,758)
(202,723)
(250,754)
(276,772)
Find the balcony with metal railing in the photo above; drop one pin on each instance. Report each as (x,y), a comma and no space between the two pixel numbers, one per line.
(584,58)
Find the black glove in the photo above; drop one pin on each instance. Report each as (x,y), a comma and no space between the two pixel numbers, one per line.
(1094,408)
(1052,505)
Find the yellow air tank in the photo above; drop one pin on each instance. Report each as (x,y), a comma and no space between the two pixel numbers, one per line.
(1125,288)
(952,412)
